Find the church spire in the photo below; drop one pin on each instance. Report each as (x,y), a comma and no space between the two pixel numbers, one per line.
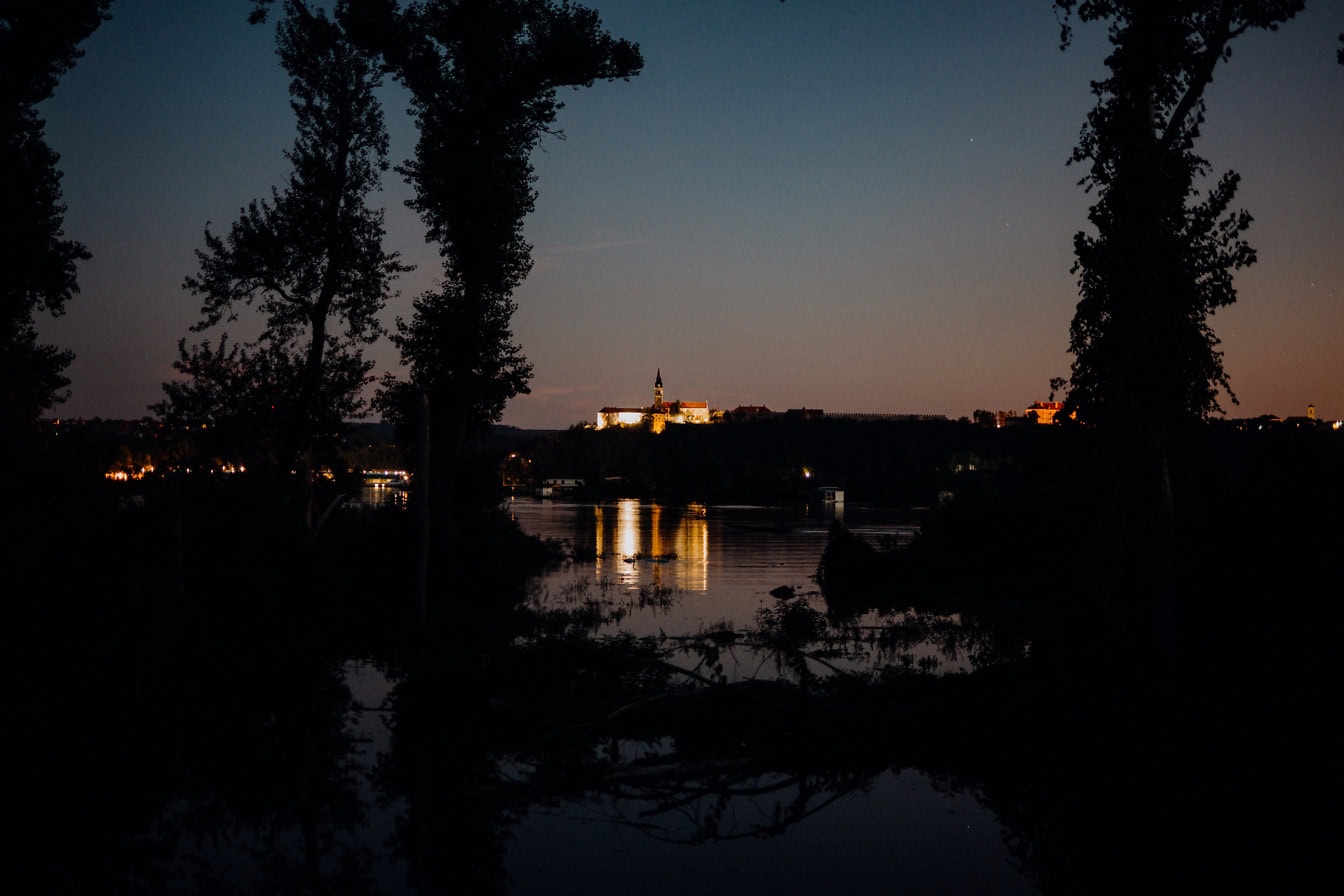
(658,389)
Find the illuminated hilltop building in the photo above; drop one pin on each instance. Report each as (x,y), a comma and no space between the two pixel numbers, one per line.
(1044,411)
(657,415)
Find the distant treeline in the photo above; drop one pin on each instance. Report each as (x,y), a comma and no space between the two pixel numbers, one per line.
(876,462)
(889,463)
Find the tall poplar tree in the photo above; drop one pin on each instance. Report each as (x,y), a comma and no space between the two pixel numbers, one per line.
(1166,243)
(483,77)
(1146,362)
(311,260)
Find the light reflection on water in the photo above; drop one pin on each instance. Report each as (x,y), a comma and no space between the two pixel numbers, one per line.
(671,546)
(718,562)
(380,495)
(895,829)
(711,830)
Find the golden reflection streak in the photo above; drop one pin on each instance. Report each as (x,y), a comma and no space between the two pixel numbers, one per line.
(692,545)
(627,537)
(625,544)
(601,550)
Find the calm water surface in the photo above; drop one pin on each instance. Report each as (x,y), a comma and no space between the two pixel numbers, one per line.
(718,562)
(901,832)
(897,830)
(317,811)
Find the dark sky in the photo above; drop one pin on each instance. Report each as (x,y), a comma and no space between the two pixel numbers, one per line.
(857,205)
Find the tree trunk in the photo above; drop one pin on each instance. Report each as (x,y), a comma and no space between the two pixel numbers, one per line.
(447,424)
(423,482)
(1166,548)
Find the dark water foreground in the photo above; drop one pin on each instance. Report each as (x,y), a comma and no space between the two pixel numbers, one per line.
(269,767)
(196,708)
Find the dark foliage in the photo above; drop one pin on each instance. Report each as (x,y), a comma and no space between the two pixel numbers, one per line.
(182,684)
(900,463)
(311,260)
(483,78)
(38,44)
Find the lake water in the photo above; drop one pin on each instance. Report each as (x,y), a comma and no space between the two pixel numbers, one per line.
(719,563)
(895,829)
(685,570)
(370,779)
(899,832)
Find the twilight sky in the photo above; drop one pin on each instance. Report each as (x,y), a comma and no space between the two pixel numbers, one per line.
(855,205)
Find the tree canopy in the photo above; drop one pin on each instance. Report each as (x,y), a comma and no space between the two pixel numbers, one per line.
(483,76)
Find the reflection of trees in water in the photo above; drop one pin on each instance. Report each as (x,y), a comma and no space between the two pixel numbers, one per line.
(440,765)
(791,639)
(179,761)
(235,751)
(695,803)
(608,730)
(249,776)
(245,773)
(264,790)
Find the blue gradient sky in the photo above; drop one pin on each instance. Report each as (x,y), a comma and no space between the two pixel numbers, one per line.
(855,205)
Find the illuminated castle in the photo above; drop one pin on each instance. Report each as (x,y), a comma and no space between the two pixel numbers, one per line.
(657,415)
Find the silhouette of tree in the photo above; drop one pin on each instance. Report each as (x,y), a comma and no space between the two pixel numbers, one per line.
(245,395)
(1146,361)
(311,260)
(483,76)
(38,44)
(1165,246)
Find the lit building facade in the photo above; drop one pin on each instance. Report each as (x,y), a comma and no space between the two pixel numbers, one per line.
(1044,411)
(657,415)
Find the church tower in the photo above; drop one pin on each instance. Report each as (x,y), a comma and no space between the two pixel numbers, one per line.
(658,390)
